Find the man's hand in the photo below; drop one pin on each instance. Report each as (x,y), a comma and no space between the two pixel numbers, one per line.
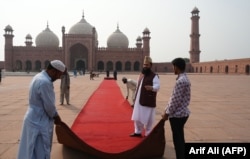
(149,88)
(164,116)
(57,120)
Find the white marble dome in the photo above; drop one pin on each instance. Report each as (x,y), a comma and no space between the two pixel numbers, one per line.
(47,39)
(117,40)
(82,27)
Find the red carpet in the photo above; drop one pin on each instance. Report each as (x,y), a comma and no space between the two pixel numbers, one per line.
(103,126)
(105,122)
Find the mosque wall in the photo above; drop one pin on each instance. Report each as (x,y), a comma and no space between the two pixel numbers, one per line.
(233,66)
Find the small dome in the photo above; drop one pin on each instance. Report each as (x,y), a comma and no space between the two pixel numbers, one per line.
(47,39)
(139,38)
(117,40)
(195,10)
(8,28)
(82,27)
(146,30)
(28,36)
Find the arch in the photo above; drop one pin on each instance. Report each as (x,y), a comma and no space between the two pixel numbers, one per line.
(128,66)
(136,66)
(80,65)
(211,69)
(28,67)
(236,68)
(118,66)
(196,69)
(247,69)
(38,65)
(46,64)
(200,69)
(226,69)
(78,57)
(19,66)
(109,66)
(100,66)
(166,69)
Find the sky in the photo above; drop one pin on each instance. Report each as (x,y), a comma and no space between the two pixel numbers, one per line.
(224,25)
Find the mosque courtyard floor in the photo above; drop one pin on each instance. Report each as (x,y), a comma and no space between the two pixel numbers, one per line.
(220,108)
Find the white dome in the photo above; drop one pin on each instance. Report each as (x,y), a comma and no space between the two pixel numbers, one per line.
(82,27)
(47,39)
(117,40)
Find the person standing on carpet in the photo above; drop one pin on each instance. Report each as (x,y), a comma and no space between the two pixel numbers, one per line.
(37,130)
(131,85)
(65,87)
(177,108)
(145,99)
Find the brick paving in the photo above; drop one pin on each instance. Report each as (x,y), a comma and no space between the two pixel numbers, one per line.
(219,110)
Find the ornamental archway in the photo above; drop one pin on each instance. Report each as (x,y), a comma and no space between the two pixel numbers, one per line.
(78,57)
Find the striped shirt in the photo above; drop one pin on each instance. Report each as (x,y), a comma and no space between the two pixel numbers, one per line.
(178,104)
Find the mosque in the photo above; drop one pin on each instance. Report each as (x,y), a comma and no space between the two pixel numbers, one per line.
(80,51)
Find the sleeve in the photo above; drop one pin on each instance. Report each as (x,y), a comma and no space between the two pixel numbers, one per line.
(156,83)
(175,99)
(48,98)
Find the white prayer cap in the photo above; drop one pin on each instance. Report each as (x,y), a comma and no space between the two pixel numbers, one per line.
(57,64)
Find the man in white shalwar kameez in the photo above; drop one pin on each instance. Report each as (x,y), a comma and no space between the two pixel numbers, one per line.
(38,125)
(145,100)
(131,85)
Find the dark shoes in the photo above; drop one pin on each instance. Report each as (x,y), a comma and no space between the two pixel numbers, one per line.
(135,135)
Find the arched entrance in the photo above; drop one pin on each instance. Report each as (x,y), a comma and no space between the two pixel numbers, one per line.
(118,66)
(226,69)
(80,65)
(247,69)
(78,58)
(136,66)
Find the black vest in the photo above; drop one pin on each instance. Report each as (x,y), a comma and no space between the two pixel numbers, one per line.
(148,98)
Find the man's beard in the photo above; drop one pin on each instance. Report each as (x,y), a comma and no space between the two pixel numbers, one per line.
(146,71)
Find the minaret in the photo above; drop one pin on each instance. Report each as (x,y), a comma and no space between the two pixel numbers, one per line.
(146,44)
(28,40)
(8,48)
(194,37)
(138,42)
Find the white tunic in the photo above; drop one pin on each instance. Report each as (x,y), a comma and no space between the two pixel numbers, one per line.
(37,131)
(141,113)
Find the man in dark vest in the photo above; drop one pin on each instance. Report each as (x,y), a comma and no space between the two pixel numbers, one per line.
(145,99)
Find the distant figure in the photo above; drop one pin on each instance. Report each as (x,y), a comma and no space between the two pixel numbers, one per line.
(131,85)
(75,73)
(65,87)
(91,75)
(115,74)
(83,72)
(107,73)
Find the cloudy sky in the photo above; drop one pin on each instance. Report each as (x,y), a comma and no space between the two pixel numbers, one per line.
(224,24)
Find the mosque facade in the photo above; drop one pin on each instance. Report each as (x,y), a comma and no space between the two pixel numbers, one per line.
(80,51)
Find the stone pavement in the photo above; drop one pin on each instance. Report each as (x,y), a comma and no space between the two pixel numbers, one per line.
(219,105)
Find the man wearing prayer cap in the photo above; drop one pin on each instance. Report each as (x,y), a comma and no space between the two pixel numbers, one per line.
(145,99)
(41,115)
